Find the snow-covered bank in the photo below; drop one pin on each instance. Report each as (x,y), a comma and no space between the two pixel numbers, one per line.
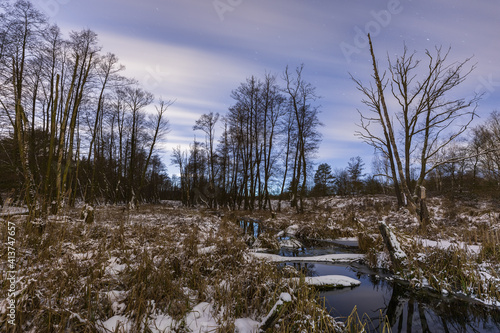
(446,244)
(329,281)
(331,258)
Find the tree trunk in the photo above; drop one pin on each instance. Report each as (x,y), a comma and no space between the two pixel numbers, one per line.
(48,174)
(397,255)
(390,132)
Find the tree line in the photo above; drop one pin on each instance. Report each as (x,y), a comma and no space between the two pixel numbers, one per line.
(423,140)
(73,126)
(471,171)
(269,138)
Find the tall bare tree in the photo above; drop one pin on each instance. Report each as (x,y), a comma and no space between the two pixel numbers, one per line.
(84,47)
(160,126)
(206,123)
(274,108)
(136,100)
(21,29)
(301,96)
(108,70)
(428,116)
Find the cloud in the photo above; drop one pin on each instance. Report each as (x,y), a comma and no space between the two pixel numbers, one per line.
(183,50)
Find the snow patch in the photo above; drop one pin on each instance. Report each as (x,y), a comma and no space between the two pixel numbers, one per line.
(343,257)
(83,256)
(10,211)
(334,281)
(162,324)
(200,319)
(207,250)
(292,230)
(284,298)
(246,325)
(445,245)
(116,324)
(114,267)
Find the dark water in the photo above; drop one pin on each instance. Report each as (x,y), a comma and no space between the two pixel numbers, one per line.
(315,249)
(379,296)
(407,310)
(250,226)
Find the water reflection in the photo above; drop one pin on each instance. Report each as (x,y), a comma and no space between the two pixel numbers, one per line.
(315,250)
(250,227)
(407,310)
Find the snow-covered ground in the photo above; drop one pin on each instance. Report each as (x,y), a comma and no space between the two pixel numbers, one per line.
(190,269)
(10,211)
(334,281)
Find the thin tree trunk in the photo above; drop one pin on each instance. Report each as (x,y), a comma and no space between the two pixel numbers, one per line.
(48,174)
(62,137)
(392,141)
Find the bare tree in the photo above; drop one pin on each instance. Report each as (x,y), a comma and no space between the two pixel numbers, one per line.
(486,137)
(206,123)
(136,100)
(301,95)
(84,48)
(244,120)
(20,31)
(274,108)
(179,158)
(159,124)
(427,118)
(107,69)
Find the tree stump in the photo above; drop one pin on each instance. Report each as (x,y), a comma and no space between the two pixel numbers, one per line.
(87,214)
(423,212)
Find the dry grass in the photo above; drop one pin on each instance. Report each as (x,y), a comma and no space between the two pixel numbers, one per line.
(172,258)
(161,264)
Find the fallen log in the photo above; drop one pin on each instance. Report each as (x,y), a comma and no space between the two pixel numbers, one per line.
(397,255)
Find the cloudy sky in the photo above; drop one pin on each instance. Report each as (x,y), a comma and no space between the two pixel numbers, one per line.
(197,51)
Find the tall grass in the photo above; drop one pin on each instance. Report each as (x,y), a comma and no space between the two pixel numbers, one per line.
(164,269)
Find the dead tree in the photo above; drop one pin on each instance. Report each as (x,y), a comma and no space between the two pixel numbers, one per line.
(425,117)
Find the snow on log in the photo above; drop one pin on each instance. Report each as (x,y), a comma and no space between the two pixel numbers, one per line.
(330,281)
(271,317)
(397,255)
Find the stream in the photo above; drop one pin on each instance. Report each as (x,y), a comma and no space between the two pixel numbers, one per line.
(380,296)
